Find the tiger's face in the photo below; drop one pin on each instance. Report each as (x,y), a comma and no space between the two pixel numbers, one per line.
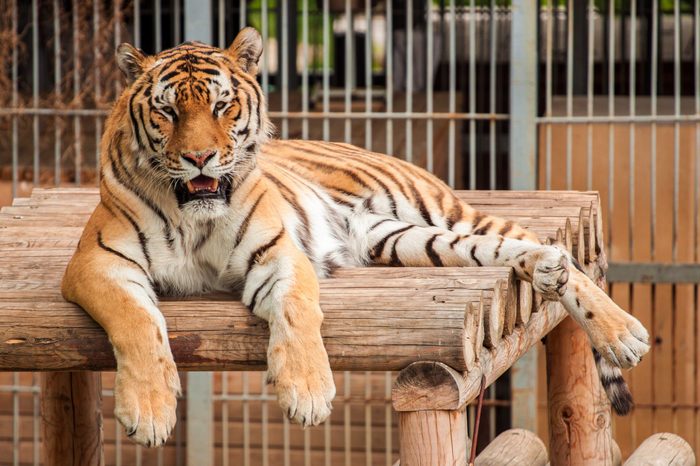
(197,116)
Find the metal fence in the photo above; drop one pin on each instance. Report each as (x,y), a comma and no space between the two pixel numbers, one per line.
(571,94)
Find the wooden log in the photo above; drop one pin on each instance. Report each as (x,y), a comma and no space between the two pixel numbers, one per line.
(525,302)
(71,413)
(579,414)
(516,447)
(664,449)
(473,332)
(379,322)
(431,401)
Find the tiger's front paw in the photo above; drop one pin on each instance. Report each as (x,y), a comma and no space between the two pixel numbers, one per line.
(303,381)
(145,401)
(551,273)
(621,339)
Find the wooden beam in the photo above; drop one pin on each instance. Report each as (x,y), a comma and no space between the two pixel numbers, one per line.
(516,447)
(71,412)
(431,400)
(664,449)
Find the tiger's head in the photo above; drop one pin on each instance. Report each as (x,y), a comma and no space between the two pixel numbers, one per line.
(197,116)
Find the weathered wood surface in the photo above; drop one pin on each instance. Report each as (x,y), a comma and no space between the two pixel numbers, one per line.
(431,400)
(664,449)
(514,447)
(71,413)
(369,324)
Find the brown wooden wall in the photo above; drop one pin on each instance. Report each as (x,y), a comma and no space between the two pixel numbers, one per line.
(666,385)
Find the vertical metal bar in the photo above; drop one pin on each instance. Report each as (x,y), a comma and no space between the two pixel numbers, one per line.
(222,24)
(409,79)
(117,14)
(158,30)
(327,442)
(348,68)
(224,418)
(305,67)
(654,78)
(368,73)
(368,418)
(198,16)
(15,408)
(589,94)
(452,97)
(200,416)
(347,425)
(388,420)
(137,23)
(246,418)
(35,88)
(548,95)
(523,175)
(569,89)
(177,28)
(265,34)
(676,124)
(285,441)
(57,91)
(242,21)
(611,112)
(15,102)
(523,96)
(97,56)
(389,76)
(326,69)
(36,417)
(307,447)
(633,112)
(77,130)
(265,423)
(472,95)
(429,85)
(285,69)
(492,95)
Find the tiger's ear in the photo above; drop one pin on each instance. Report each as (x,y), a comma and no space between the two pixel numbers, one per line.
(246,50)
(131,61)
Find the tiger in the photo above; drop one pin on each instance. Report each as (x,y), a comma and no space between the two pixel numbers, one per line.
(197,196)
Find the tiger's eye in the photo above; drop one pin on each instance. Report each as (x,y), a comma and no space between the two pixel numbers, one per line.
(219,106)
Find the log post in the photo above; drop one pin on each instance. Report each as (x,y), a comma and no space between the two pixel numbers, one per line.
(430,398)
(663,449)
(71,413)
(580,429)
(516,447)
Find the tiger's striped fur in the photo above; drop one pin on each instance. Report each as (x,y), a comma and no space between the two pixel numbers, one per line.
(195,198)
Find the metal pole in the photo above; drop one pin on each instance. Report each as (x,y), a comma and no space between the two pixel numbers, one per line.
(523,158)
(200,413)
(523,95)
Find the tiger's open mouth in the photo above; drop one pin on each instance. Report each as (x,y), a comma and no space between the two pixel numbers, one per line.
(201,188)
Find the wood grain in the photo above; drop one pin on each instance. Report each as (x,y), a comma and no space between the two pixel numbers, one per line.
(663,449)
(514,447)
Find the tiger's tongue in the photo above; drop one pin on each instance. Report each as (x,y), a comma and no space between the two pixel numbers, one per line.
(202,183)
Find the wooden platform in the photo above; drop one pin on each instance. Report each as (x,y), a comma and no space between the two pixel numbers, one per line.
(478,321)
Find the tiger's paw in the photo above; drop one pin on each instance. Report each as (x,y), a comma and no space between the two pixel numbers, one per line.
(622,340)
(551,274)
(303,381)
(145,401)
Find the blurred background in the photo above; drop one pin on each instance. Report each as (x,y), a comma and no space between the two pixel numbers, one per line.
(585,95)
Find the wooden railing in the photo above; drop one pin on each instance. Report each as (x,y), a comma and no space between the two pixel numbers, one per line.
(444,328)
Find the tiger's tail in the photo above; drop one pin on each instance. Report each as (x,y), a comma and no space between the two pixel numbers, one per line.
(614,385)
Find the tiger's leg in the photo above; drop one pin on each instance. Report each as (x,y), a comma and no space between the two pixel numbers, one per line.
(281,287)
(115,290)
(618,336)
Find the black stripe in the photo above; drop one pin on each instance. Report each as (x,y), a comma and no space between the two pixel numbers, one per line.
(505,228)
(498,248)
(262,250)
(394,260)
(246,221)
(421,206)
(455,214)
(134,123)
(378,248)
(609,381)
(102,245)
(253,300)
(577,265)
(473,254)
(379,223)
(432,254)
(139,233)
(483,230)
(293,201)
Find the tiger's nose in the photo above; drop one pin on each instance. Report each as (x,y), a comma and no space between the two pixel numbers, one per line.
(199,159)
